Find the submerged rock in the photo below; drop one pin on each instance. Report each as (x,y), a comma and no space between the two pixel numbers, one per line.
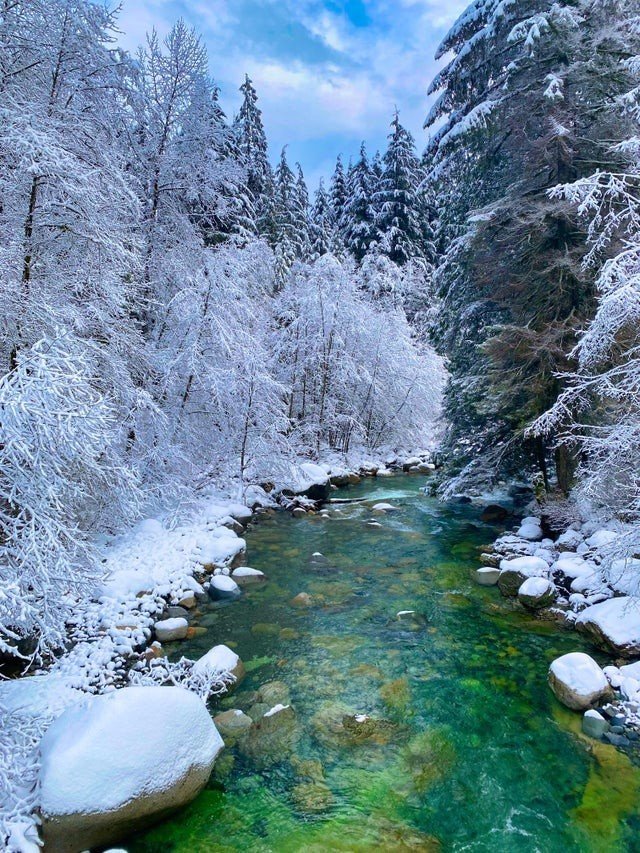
(232,724)
(312,796)
(302,599)
(578,682)
(272,736)
(118,762)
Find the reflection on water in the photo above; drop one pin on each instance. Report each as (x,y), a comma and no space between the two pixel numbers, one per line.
(429,730)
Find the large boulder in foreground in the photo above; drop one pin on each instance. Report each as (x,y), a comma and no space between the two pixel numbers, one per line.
(578,682)
(121,761)
(614,625)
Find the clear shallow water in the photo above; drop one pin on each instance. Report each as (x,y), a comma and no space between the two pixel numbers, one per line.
(468,749)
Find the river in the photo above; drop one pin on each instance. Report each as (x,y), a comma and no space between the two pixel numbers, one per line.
(465,747)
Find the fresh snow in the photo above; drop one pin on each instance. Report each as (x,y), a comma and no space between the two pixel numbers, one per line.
(218,659)
(580,673)
(618,619)
(528,566)
(535,587)
(104,752)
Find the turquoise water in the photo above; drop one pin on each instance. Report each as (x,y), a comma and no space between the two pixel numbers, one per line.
(465,748)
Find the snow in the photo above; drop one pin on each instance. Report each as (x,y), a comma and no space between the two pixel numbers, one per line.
(38,695)
(527,566)
(601,538)
(218,659)
(573,566)
(276,710)
(384,507)
(618,619)
(624,575)
(246,572)
(224,584)
(535,587)
(530,529)
(631,670)
(308,475)
(99,755)
(580,673)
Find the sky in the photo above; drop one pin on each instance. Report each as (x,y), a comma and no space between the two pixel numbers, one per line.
(328,73)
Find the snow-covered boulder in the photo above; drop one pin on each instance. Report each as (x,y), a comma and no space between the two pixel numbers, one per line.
(223,587)
(573,566)
(513,573)
(220,547)
(119,761)
(530,529)
(537,593)
(601,538)
(220,659)
(488,576)
(312,481)
(614,625)
(384,508)
(594,724)
(569,540)
(624,575)
(245,575)
(168,630)
(578,682)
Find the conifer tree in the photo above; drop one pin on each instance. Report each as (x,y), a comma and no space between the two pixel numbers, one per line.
(358,220)
(398,215)
(322,231)
(338,198)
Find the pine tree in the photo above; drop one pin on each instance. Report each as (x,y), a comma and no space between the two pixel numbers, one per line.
(338,200)
(358,222)
(301,215)
(322,230)
(514,101)
(397,201)
(252,142)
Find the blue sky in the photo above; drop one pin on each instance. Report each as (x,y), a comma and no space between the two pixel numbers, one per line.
(329,73)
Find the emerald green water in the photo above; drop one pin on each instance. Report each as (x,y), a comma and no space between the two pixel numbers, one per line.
(468,751)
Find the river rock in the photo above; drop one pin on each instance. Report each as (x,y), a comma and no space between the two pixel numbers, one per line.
(383,508)
(298,512)
(537,593)
(302,599)
(222,587)
(188,601)
(614,625)
(494,513)
(594,724)
(118,762)
(272,737)
(274,693)
(244,576)
(312,797)
(513,573)
(232,724)
(177,612)
(578,682)
(488,576)
(168,630)
(220,659)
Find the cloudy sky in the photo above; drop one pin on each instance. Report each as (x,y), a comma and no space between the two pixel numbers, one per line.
(328,72)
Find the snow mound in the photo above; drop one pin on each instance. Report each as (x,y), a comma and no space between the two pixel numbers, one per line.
(114,748)
(536,587)
(614,624)
(601,538)
(525,566)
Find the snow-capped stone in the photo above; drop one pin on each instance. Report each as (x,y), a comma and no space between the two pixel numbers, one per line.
(569,540)
(536,593)
(601,538)
(488,576)
(629,687)
(614,625)
(573,566)
(578,682)
(220,547)
(530,529)
(245,575)
(112,763)
(220,659)
(223,587)
(168,630)
(630,670)
(384,507)
(594,724)
(513,573)
(312,481)
(624,575)
(614,676)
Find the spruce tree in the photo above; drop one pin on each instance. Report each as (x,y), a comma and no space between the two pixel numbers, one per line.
(396,200)
(322,231)
(358,221)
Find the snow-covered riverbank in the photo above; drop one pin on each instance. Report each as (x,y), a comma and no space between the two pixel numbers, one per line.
(585,576)
(153,576)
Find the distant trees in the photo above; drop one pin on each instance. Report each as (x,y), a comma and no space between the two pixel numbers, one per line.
(164,324)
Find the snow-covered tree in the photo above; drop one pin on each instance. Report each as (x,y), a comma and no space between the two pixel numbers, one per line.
(357,222)
(322,226)
(396,199)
